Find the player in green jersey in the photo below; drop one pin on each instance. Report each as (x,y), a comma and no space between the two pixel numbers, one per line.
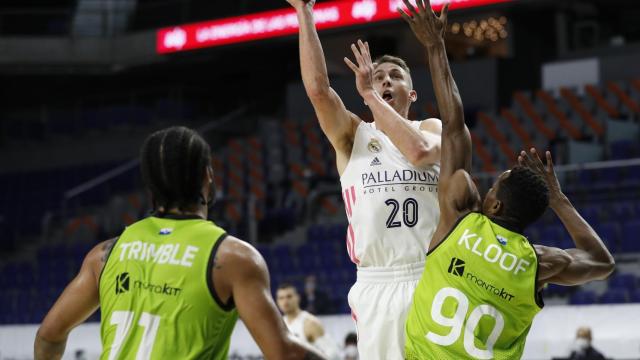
(481,284)
(172,285)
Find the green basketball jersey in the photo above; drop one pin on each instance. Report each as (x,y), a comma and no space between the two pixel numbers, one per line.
(156,294)
(477,296)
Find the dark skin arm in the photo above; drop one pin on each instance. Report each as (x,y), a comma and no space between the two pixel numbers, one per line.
(590,259)
(241,273)
(79,300)
(457,194)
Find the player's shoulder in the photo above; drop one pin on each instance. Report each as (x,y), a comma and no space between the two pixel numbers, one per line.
(433,125)
(97,257)
(462,194)
(239,255)
(459,179)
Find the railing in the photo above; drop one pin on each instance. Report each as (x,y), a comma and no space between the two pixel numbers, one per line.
(133,163)
(125,169)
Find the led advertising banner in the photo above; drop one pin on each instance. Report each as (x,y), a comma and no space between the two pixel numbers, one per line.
(269,24)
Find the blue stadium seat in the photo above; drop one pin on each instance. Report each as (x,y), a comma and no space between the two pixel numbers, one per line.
(553,289)
(608,232)
(337,232)
(625,149)
(626,282)
(315,233)
(635,296)
(616,296)
(583,297)
(551,234)
(591,213)
(630,241)
(622,210)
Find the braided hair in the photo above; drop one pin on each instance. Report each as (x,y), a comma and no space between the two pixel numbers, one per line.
(174,162)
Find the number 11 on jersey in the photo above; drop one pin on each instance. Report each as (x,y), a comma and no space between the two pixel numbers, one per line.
(123,321)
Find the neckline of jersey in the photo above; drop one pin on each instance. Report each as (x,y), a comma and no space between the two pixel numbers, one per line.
(177,216)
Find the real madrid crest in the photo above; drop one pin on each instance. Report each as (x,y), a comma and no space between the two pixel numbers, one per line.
(374,146)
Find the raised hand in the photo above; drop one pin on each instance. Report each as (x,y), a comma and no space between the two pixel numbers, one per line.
(428,28)
(364,69)
(534,163)
(298,4)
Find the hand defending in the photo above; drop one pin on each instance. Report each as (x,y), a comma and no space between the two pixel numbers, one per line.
(534,163)
(364,69)
(428,28)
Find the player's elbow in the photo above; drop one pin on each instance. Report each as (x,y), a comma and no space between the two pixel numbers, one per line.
(318,88)
(50,334)
(608,267)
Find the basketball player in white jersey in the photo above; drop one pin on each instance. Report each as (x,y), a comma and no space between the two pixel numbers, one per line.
(389,173)
(304,325)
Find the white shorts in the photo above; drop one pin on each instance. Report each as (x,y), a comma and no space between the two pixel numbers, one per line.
(380,301)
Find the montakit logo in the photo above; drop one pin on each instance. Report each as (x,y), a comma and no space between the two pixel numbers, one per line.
(456,267)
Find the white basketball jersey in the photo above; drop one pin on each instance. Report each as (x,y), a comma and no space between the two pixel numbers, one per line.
(392,206)
(296,326)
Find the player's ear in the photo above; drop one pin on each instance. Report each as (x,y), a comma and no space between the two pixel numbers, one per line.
(496,207)
(413,96)
(209,175)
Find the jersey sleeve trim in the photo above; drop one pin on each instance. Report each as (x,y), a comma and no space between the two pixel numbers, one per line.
(106,260)
(537,294)
(230,305)
(453,228)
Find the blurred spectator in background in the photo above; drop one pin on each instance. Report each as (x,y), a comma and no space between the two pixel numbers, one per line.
(304,325)
(582,349)
(315,300)
(350,347)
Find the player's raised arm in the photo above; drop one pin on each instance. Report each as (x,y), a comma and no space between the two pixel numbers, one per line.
(336,122)
(590,260)
(78,301)
(456,140)
(247,275)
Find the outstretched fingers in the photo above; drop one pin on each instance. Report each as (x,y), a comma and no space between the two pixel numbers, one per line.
(549,161)
(405,16)
(536,159)
(444,13)
(364,52)
(525,160)
(350,64)
(410,7)
(357,54)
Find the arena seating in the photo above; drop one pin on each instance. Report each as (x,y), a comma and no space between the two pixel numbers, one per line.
(273,172)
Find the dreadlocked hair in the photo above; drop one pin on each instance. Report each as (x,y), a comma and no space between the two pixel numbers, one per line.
(173,163)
